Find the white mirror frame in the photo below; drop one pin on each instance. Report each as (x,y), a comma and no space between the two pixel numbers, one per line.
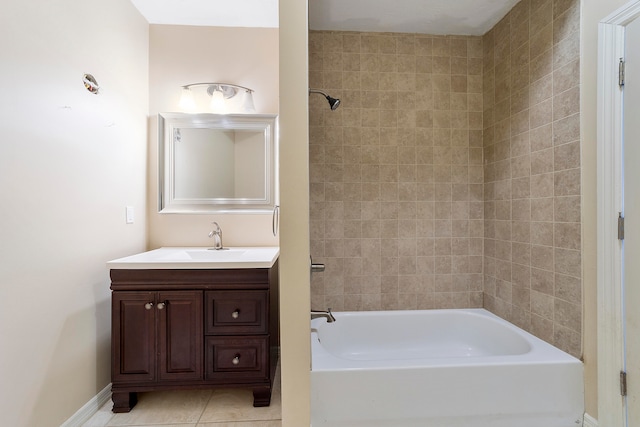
(168,123)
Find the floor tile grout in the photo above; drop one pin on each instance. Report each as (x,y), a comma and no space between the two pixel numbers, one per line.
(236,407)
(225,407)
(204,409)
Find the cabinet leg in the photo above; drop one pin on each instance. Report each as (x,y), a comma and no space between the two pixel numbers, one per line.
(261,396)
(123,401)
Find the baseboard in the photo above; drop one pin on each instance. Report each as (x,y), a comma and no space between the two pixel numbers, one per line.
(589,421)
(89,409)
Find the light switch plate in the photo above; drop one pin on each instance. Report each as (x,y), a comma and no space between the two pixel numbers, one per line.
(130,214)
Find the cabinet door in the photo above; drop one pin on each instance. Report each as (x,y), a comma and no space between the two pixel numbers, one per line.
(133,336)
(180,336)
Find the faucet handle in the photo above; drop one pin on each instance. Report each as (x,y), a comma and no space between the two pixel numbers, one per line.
(315,267)
(217,232)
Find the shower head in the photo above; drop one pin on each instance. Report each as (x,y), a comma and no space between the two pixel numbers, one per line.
(333,102)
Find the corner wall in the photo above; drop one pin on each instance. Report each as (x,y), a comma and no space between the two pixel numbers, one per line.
(70,162)
(295,359)
(533,266)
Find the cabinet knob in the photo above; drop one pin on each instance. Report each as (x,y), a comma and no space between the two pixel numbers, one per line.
(236,359)
(148,305)
(161,305)
(235,314)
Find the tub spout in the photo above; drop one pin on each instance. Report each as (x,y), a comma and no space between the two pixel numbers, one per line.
(326,314)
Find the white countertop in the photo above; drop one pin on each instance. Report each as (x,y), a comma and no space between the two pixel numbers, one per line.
(199,258)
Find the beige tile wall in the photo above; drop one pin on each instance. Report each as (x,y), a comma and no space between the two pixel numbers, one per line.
(396,171)
(403,213)
(532,270)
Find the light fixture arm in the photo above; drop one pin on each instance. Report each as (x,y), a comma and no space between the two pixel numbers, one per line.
(228,90)
(217,84)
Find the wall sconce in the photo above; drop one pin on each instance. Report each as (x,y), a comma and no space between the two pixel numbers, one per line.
(223,98)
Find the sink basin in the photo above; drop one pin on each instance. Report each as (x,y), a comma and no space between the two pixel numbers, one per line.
(199,258)
(213,254)
(206,254)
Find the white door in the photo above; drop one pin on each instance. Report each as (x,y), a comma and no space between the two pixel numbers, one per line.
(631,278)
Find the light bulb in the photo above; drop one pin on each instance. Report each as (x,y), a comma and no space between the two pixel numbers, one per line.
(217,104)
(187,102)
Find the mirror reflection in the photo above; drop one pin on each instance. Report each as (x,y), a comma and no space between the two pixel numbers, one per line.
(213,163)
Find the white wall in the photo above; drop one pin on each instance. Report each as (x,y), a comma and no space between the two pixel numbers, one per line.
(180,55)
(295,295)
(70,162)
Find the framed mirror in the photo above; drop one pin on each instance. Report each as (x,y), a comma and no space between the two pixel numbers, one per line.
(216,163)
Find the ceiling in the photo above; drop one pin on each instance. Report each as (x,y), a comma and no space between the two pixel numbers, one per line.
(469,17)
(214,13)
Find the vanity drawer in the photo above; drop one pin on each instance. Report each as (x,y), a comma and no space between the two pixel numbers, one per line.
(239,358)
(236,312)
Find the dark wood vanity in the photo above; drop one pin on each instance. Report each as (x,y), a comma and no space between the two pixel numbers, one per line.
(176,329)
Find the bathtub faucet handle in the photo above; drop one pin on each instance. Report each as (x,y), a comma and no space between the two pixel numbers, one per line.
(315,267)
(326,314)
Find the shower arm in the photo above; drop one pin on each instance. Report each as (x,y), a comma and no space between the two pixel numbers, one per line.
(318,91)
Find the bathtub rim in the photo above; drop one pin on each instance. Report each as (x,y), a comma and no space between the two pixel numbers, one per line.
(541,351)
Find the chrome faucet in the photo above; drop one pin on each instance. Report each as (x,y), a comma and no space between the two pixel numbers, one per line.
(216,233)
(326,314)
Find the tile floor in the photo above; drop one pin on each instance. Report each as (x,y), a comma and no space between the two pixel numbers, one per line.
(195,408)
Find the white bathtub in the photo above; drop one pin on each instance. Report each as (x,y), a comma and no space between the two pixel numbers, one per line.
(444,368)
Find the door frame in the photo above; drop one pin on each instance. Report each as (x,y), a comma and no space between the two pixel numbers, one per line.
(611,33)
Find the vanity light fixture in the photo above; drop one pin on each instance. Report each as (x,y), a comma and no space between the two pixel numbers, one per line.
(221,95)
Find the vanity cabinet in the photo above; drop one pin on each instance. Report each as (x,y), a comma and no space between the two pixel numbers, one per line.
(193,328)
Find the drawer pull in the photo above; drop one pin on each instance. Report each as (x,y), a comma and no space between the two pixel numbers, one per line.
(236,359)
(161,305)
(235,314)
(148,305)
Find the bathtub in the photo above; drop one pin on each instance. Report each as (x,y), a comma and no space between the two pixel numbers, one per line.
(444,368)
